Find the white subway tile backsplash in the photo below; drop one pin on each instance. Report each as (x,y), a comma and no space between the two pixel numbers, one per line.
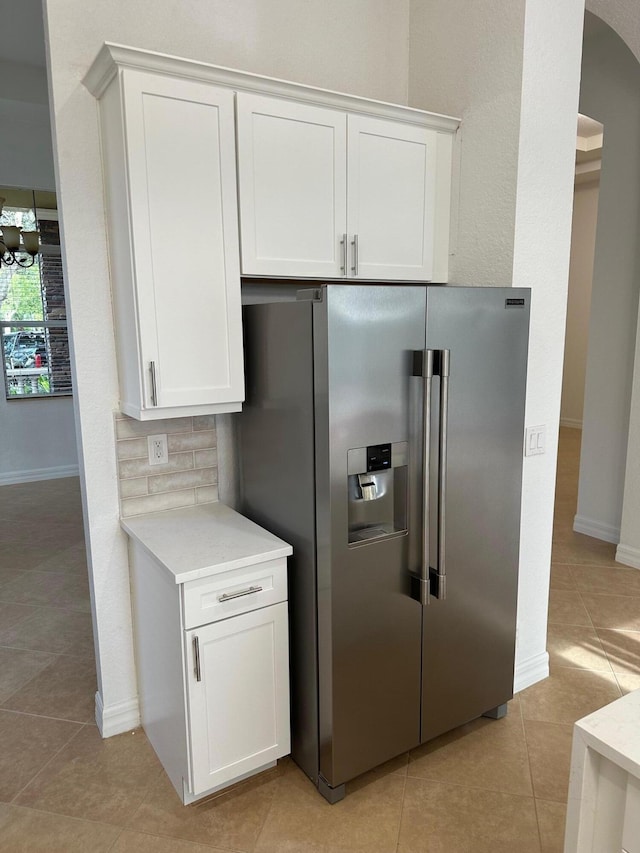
(206,494)
(205,458)
(204,422)
(157,503)
(189,477)
(191,440)
(182,480)
(132,448)
(141,467)
(134,488)
(130,428)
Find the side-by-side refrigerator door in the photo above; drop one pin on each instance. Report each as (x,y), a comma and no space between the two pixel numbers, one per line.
(477,341)
(369,627)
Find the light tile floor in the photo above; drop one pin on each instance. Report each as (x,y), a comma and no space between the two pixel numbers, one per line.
(490,786)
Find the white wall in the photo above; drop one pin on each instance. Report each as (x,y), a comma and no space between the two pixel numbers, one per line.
(610,92)
(467,61)
(550,86)
(359,46)
(622,16)
(583,236)
(628,551)
(27,156)
(38,436)
(511,70)
(464,60)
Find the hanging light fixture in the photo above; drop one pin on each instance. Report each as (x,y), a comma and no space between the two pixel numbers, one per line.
(10,247)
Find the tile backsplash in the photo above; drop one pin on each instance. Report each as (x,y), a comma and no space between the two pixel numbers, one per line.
(189,477)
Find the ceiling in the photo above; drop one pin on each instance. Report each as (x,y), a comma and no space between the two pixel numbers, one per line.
(23,17)
(588,150)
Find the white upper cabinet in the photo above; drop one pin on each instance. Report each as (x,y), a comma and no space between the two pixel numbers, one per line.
(330,186)
(293,187)
(390,199)
(169,162)
(299,216)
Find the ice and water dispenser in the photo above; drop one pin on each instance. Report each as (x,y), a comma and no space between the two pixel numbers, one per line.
(377,491)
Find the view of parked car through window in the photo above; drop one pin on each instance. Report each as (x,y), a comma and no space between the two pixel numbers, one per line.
(33,322)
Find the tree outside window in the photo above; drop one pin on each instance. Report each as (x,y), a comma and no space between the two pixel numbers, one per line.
(33,319)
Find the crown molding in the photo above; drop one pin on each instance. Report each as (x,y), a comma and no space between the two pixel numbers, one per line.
(114,57)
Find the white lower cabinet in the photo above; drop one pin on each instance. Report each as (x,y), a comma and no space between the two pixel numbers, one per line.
(238,695)
(212,650)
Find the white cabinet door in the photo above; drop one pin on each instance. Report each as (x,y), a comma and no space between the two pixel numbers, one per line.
(239,709)
(292,187)
(180,153)
(391,197)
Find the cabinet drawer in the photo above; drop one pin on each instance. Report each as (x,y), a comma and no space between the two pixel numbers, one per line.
(237,591)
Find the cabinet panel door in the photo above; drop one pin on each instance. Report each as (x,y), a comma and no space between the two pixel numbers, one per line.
(239,710)
(181,164)
(391,196)
(292,186)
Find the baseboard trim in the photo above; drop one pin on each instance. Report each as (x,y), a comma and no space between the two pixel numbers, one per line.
(118,718)
(531,671)
(628,556)
(10,478)
(590,527)
(572,423)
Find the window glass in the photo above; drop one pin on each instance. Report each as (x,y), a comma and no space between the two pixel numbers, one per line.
(33,315)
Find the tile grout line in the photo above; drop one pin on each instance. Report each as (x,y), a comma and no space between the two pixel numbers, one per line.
(49,663)
(60,815)
(404,791)
(267,815)
(81,726)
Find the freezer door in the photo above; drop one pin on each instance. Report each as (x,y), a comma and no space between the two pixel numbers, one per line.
(369,627)
(275,433)
(469,631)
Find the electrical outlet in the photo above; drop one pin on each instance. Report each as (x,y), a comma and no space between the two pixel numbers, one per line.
(158,450)
(535,440)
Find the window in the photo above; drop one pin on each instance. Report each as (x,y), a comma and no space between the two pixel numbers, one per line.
(33,317)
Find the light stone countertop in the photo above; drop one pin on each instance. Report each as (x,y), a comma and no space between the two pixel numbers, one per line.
(613,731)
(195,542)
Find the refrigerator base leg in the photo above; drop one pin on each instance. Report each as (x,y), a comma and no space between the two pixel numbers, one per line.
(331,795)
(496,713)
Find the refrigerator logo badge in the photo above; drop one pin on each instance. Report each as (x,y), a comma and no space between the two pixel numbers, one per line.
(514,303)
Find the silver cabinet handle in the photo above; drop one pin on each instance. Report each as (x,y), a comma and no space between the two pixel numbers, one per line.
(228,596)
(423,367)
(154,387)
(344,245)
(439,577)
(354,266)
(196,658)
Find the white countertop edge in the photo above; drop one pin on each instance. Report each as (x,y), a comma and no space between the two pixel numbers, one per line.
(199,541)
(614,731)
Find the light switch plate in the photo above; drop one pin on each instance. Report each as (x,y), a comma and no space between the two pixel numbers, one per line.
(535,439)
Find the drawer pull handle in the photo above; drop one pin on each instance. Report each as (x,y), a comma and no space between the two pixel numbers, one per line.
(229,595)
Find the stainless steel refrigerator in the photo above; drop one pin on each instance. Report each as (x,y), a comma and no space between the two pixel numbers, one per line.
(382,437)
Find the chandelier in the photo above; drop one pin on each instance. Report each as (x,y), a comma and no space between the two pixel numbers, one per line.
(11,249)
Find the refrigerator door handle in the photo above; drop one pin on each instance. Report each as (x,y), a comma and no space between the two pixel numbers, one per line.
(423,367)
(439,575)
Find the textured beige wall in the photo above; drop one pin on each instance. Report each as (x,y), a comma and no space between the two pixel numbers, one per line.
(610,93)
(466,60)
(583,237)
(357,46)
(511,71)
